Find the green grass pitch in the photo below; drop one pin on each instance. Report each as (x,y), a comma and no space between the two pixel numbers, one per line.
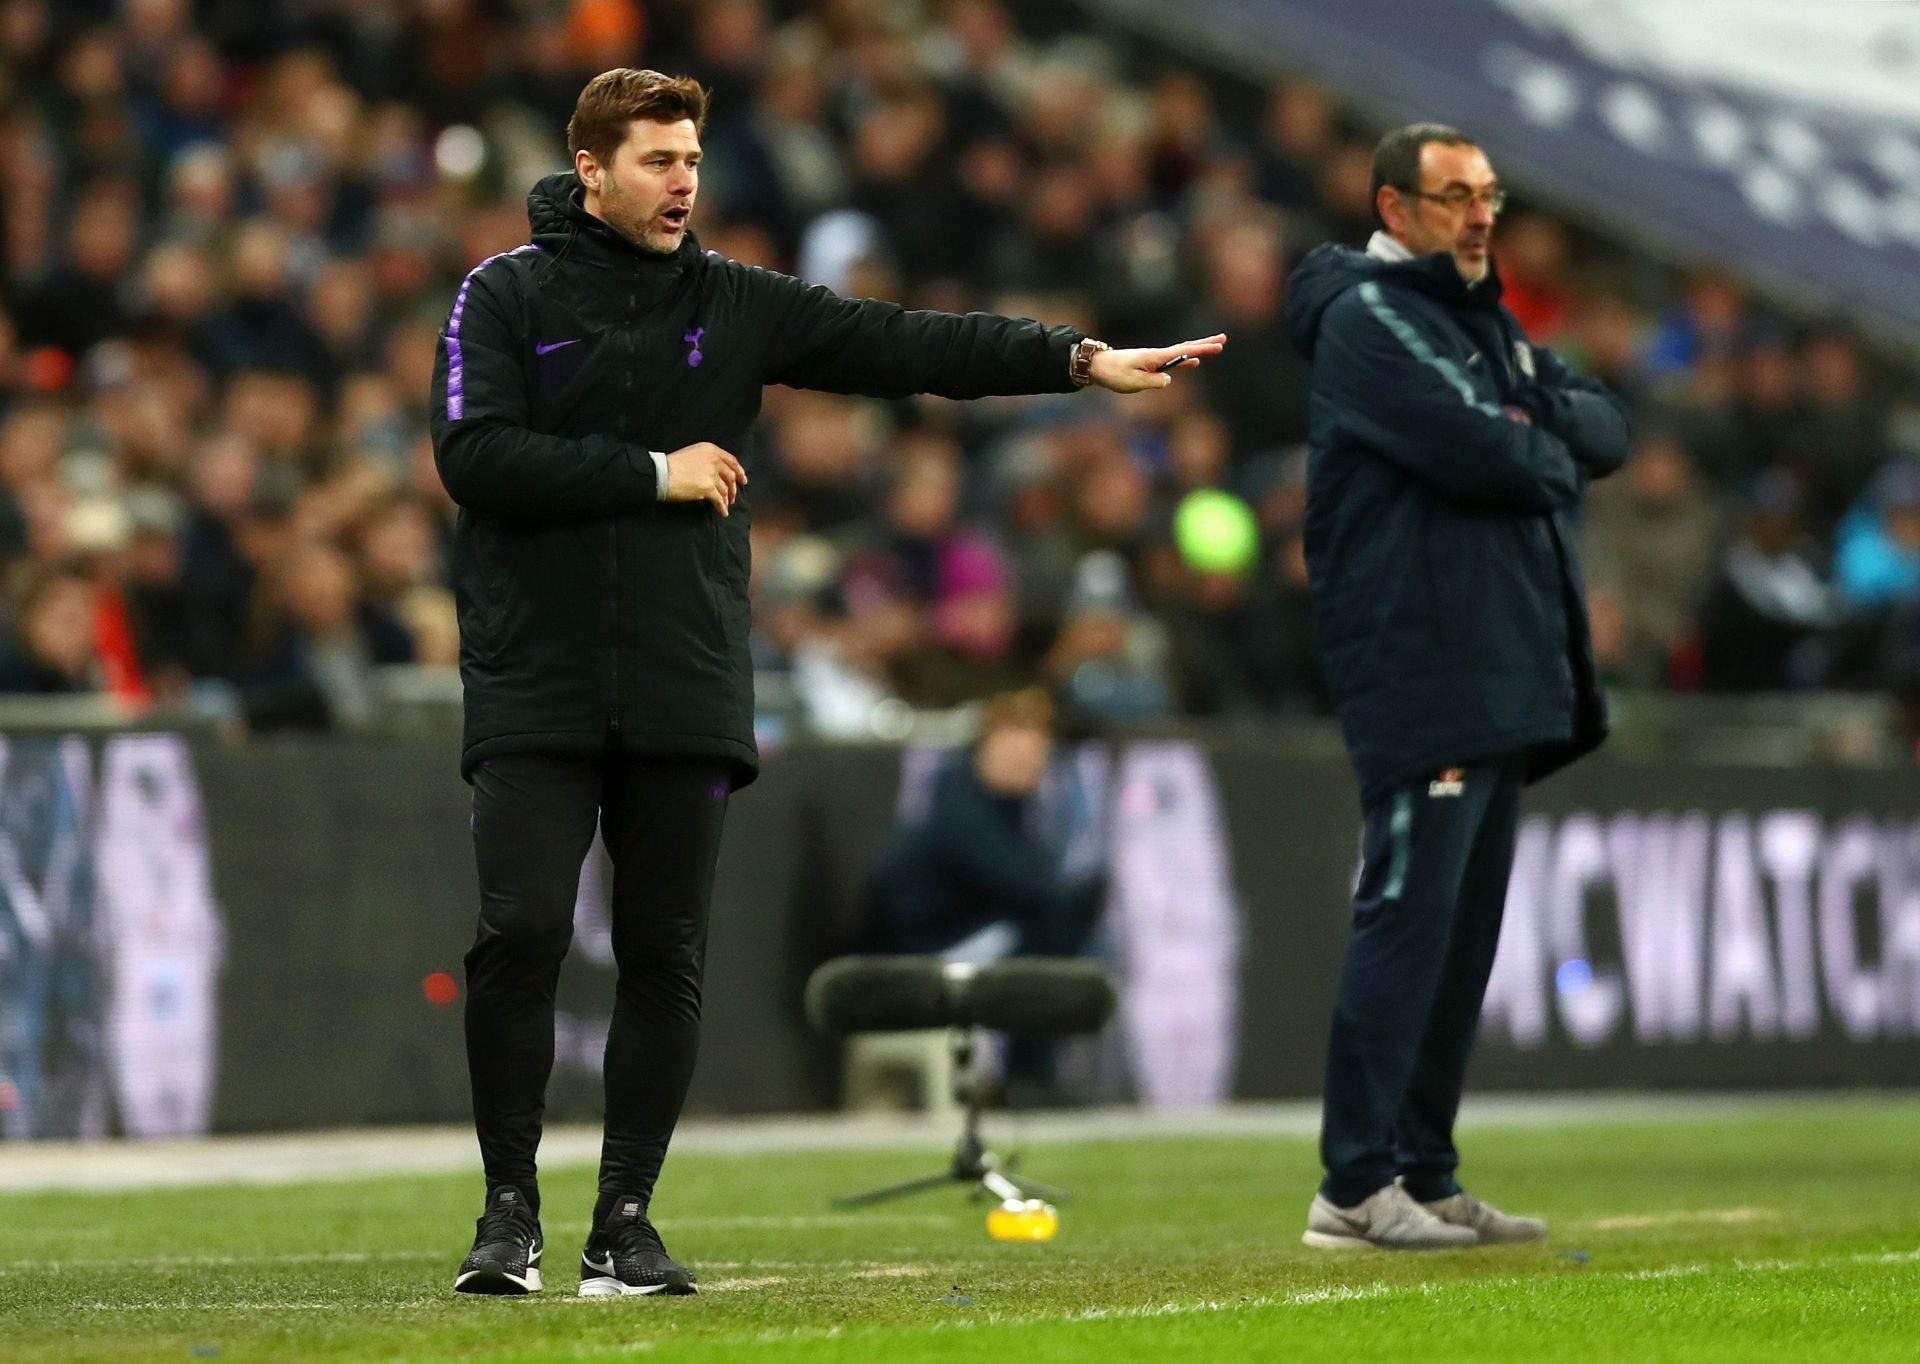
(1789,1233)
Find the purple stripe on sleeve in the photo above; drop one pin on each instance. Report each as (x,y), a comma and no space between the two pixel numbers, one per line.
(456,368)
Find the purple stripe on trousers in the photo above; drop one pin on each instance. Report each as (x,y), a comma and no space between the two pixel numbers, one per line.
(456,369)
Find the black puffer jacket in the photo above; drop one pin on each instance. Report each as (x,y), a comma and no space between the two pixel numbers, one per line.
(592,615)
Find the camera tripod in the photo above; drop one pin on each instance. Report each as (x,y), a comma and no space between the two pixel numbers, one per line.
(973,1163)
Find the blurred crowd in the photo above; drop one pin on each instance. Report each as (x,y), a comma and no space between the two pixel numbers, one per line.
(232,231)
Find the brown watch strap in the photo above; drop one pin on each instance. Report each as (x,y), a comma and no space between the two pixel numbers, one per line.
(1081,367)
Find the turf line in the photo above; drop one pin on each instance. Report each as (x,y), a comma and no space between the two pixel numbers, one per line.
(1677,1217)
(1313,1297)
(1333,1295)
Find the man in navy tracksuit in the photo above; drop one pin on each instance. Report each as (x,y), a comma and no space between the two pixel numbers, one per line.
(1446,453)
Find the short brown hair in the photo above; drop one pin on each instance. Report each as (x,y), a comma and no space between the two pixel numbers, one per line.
(1028,708)
(614,99)
(1396,161)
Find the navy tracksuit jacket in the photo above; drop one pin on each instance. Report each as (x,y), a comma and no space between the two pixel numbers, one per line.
(1453,632)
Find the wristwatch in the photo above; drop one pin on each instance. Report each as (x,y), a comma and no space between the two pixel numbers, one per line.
(1081,367)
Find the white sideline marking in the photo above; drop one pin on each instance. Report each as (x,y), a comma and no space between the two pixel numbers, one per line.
(1309,1297)
(265,1305)
(858,1269)
(1667,1272)
(705,1286)
(1334,1295)
(309,1157)
(1678,1217)
(1305,1298)
(217,1261)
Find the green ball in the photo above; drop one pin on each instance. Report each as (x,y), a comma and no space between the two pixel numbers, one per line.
(1215,532)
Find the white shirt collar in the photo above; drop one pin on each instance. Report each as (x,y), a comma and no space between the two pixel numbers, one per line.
(1382,247)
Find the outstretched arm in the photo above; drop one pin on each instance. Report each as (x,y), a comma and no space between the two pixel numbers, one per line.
(881,350)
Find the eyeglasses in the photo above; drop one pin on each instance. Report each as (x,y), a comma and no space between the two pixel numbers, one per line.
(1493,200)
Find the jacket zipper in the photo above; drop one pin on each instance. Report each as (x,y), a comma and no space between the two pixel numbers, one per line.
(613,629)
(613,597)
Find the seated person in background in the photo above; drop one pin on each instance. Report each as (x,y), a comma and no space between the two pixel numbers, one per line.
(1876,560)
(975,879)
(51,648)
(976,861)
(1771,622)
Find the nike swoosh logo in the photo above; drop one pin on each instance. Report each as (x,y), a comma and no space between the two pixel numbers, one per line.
(606,1268)
(554,345)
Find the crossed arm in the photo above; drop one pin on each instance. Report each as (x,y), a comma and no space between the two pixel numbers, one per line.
(1417,409)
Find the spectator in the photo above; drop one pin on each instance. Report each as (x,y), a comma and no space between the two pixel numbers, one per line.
(1297,135)
(82,301)
(1109,661)
(51,649)
(309,657)
(1706,321)
(1767,402)
(967,650)
(1839,434)
(1532,251)
(261,329)
(1876,561)
(1771,621)
(32,442)
(233,232)
(1604,341)
(1646,547)
(801,632)
(1259,385)
(974,880)
(1275,485)
(153,585)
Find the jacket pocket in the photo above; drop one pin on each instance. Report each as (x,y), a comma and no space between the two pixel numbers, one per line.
(490,581)
(724,561)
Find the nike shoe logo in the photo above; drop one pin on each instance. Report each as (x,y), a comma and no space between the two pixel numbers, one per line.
(555,345)
(597,1268)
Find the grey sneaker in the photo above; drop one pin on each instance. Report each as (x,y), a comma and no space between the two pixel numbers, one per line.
(1389,1220)
(1493,1227)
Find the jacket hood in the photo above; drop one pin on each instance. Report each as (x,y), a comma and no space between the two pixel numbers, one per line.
(1322,276)
(562,226)
(1329,271)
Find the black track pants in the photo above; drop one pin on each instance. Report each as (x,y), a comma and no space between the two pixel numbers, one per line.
(1426,921)
(533,822)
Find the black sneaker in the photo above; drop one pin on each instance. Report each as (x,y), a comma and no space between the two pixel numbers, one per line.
(624,1258)
(506,1249)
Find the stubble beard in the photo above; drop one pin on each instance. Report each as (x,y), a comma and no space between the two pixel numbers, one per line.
(1471,271)
(617,208)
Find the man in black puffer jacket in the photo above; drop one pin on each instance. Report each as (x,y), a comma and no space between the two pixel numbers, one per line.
(1453,632)
(591,389)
